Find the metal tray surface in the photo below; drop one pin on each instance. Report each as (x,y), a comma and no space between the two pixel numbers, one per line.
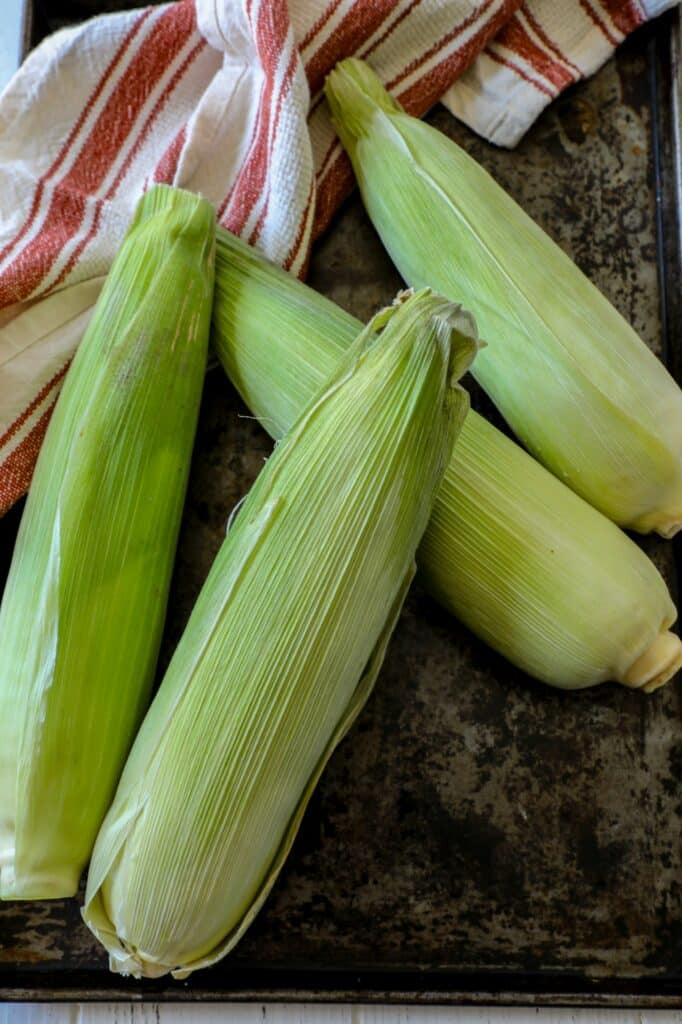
(478,836)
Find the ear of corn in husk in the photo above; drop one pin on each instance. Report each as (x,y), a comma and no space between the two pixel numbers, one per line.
(528,565)
(281,649)
(84,604)
(571,377)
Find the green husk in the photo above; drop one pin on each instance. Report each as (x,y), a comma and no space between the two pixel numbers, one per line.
(571,377)
(528,565)
(85,600)
(281,650)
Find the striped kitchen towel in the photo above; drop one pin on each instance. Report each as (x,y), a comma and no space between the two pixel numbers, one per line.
(224,97)
(543,48)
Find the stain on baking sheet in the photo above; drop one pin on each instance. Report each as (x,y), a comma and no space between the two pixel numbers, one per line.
(473,819)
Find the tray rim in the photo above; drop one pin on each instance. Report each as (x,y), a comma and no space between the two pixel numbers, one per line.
(428,987)
(433,986)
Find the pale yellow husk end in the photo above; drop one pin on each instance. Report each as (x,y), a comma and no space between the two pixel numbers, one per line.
(659,663)
(669,530)
(665,520)
(52,885)
(122,959)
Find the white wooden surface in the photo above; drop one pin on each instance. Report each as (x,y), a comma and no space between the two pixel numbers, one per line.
(151,1013)
(11,28)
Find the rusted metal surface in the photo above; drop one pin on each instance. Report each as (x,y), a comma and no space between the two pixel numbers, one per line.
(477,832)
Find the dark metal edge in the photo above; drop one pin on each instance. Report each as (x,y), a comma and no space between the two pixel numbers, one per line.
(26,27)
(666,92)
(432,987)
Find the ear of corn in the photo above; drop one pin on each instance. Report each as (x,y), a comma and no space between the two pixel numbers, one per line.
(84,605)
(528,565)
(281,649)
(571,377)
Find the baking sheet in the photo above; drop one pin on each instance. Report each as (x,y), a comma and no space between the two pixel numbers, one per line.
(478,836)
